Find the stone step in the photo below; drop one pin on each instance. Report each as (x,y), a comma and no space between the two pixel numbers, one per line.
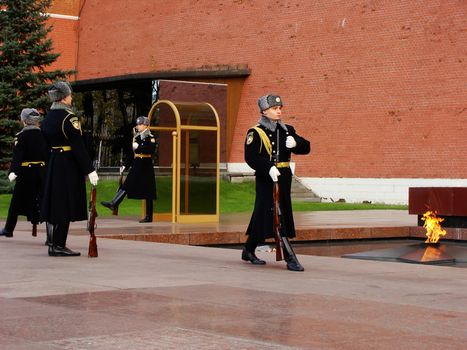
(299,192)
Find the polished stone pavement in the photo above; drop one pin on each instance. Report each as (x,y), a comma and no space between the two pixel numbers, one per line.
(144,295)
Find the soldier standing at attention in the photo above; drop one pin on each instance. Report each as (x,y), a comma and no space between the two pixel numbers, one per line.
(141,181)
(268,147)
(65,187)
(28,169)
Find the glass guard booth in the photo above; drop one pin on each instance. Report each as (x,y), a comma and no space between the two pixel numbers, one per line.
(187,160)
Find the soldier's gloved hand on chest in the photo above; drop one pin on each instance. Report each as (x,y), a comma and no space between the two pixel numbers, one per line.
(274,173)
(12,177)
(122,169)
(93,178)
(135,145)
(290,142)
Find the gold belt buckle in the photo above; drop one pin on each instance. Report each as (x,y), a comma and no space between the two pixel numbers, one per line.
(142,155)
(282,164)
(62,148)
(29,164)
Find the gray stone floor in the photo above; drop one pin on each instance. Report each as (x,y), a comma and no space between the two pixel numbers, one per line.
(142,295)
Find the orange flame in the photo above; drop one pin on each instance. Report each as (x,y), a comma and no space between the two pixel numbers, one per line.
(433,227)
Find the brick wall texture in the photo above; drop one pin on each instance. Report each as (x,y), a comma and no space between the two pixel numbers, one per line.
(379,87)
(65,41)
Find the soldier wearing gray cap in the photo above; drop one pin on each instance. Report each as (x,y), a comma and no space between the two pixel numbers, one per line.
(28,170)
(268,101)
(64,197)
(59,90)
(268,149)
(140,182)
(30,116)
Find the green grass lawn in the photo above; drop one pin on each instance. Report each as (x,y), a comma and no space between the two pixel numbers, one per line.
(234,198)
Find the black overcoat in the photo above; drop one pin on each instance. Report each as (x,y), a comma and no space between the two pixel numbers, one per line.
(64,197)
(140,182)
(258,158)
(28,163)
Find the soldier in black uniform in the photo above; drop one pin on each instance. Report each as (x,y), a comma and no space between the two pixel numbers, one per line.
(65,188)
(28,168)
(141,181)
(268,147)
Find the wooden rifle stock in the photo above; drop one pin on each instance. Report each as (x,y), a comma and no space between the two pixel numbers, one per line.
(277,222)
(92,251)
(34,230)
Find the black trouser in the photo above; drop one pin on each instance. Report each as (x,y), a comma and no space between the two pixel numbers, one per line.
(251,244)
(149,207)
(60,234)
(11,220)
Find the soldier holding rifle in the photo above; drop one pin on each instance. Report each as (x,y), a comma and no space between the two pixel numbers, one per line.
(64,198)
(268,147)
(28,169)
(140,182)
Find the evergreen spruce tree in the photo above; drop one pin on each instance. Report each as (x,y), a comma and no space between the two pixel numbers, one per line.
(25,55)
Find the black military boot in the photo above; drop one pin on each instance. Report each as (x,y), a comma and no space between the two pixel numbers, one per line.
(119,196)
(60,233)
(148,217)
(62,251)
(5,233)
(49,229)
(248,253)
(251,257)
(290,257)
(10,224)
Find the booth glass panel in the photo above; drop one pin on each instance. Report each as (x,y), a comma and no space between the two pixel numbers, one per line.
(163,170)
(196,114)
(164,116)
(198,172)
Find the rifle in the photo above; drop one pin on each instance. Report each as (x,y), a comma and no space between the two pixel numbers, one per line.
(281,240)
(92,251)
(35,218)
(277,222)
(120,180)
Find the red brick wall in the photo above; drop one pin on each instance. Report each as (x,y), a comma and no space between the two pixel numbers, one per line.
(65,32)
(379,87)
(65,42)
(67,7)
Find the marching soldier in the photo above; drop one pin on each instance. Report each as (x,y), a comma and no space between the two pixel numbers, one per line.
(28,169)
(140,182)
(268,147)
(65,188)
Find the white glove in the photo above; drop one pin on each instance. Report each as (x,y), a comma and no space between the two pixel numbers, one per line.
(12,177)
(122,169)
(290,142)
(274,173)
(93,178)
(135,145)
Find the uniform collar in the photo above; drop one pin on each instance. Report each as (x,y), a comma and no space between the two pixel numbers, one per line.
(144,134)
(269,124)
(59,105)
(28,127)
